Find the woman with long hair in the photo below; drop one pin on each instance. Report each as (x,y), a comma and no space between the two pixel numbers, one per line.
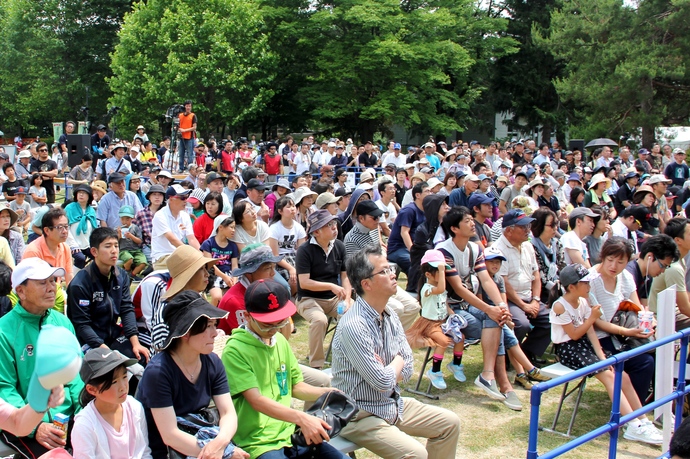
(13,249)
(449,183)
(548,251)
(286,235)
(213,207)
(602,231)
(577,197)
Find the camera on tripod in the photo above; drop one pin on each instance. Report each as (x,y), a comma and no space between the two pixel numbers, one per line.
(173,112)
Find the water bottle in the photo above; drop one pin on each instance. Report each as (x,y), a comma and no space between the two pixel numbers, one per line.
(341,308)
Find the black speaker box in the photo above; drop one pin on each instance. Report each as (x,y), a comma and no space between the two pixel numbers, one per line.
(577,144)
(77,145)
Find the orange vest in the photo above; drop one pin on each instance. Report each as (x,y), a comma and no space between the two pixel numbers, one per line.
(186,121)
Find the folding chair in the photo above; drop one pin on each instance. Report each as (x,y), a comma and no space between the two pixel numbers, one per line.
(554,371)
(427,359)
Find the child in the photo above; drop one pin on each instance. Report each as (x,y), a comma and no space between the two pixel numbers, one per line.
(426,331)
(22,208)
(112,424)
(130,244)
(219,246)
(577,346)
(37,192)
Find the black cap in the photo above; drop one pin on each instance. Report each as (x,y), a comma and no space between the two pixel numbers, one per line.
(368,207)
(99,361)
(101,127)
(638,212)
(116,177)
(268,301)
(257,184)
(213,176)
(342,191)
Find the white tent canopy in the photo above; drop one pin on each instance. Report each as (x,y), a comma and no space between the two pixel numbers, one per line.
(677,137)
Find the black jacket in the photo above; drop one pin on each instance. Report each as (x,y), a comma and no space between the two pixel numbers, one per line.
(424,238)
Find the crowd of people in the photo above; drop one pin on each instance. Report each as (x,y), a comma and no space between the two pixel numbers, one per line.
(515,245)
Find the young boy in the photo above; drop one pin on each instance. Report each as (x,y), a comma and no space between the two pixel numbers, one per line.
(130,244)
(22,208)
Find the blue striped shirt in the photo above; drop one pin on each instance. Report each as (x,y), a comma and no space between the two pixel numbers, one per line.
(365,343)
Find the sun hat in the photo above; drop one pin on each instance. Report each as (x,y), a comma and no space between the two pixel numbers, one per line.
(326,198)
(183,311)
(599,178)
(24,154)
(434,181)
(493,253)
(283,183)
(182,264)
(643,189)
(267,301)
(100,361)
(418,175)
(253,256)
(100,186)
(572,274)
(318,219)
(34,269)
(126,211)
(434,258)
(366,176)
(502,178)
(155,189)
(574,177)
(516,217)
(301,193)
(140,127)
(13,215)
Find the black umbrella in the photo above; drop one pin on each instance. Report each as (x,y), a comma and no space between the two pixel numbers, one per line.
(603,142)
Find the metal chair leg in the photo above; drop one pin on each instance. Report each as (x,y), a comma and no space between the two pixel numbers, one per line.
(428,394)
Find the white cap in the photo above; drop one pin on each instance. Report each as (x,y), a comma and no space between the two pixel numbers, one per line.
(331,144)
(34,269)
(24,154)
(433,181)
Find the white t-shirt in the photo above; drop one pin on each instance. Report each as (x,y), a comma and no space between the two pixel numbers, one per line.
(392,213)
(609,301)
(570,241)
(389,158)
(164,222)
(242,237)
(576,316)
(619,229)
(287,238)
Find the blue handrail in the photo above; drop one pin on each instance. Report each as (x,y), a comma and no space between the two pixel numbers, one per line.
(616,421)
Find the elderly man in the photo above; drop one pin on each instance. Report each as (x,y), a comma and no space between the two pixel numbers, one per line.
(34,281)
(256,190)
(108,212)
(172,226)
(52,246)
(117,162)
(370,357)
(320,263)
(22,166)
(523,284)
(461,196)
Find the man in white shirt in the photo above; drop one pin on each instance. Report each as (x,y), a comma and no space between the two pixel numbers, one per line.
(394,157)
(171,227)
(543,155)
(582,224)
(629,222)
(605,158)
(387,205)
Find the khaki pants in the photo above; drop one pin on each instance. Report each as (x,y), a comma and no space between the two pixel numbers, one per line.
(440,426)
(317,311)
(316,378)
(161,263)
(405,307)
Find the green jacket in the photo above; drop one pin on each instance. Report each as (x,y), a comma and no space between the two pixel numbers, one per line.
(18,335)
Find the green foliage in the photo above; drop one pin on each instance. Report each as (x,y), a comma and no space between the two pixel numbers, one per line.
(625,67)
(208,51)
(52,50)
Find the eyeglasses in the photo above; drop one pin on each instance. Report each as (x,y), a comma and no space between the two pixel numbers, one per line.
(387,271)
(181,198)
(663,266)
(272,327)
(59,227)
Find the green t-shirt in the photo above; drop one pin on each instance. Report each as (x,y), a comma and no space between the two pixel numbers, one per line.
(250,363)
(674,275)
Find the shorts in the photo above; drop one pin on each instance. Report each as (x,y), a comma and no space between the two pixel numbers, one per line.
(136,255)
(576,354)
(477,320)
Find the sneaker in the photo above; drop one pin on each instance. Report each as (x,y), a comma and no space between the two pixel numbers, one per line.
(535,375)
(458,371)
(523,381)
(489,387)
(436,378)
(512,401)
(645,433)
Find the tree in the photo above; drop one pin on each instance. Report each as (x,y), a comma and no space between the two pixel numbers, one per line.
(209,51)
(52,50)
(626,67)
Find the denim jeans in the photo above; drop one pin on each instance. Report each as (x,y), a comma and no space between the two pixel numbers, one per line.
(401,257)
(324,451)
(186,153)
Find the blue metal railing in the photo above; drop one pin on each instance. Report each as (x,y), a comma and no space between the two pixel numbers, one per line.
(616,421)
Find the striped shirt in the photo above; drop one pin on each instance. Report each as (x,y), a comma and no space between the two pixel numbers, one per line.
(365,343)
(359,237)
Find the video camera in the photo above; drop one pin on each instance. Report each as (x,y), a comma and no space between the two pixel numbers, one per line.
(172,113)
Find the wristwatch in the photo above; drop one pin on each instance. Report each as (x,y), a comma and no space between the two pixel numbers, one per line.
(536,298)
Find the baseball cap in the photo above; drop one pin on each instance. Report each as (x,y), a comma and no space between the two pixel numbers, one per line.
(411,148)
(434,181)
(493,253)
(331,144)
(483,177)
(253,256)
(477,199)
(164,173)
(20,190)
(100,361)
(326,198)
(34,269)
(516,217)
(574,177)
(558,174)
(140,127)
(198,195)
(658,178)
(472,178)
(572,274)
(638,212)
(268,301)
(426,170)
(177,190)
(213,176)
(429,145)
(583,212)
(116,177)
(366,175)
(24,154)
(256,184)
(396,146)
(342,191)
(643,151)
(126,211)
(368,207)
(434,258)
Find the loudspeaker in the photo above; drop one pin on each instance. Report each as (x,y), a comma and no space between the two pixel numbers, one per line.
(77,145)
(577,144)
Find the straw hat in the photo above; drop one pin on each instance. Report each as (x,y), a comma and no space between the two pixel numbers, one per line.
(184,262)
(100,186)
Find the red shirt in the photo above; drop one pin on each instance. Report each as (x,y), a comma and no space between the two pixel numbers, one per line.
(227,159)
(233,302)
(203,227)
(272,164)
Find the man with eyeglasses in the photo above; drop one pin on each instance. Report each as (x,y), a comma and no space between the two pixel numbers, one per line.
(520,272)
(264,375)
(319,263)
(171,227)
(108,212)
(370,357)
(47,168)
(52,246)
(656,256)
